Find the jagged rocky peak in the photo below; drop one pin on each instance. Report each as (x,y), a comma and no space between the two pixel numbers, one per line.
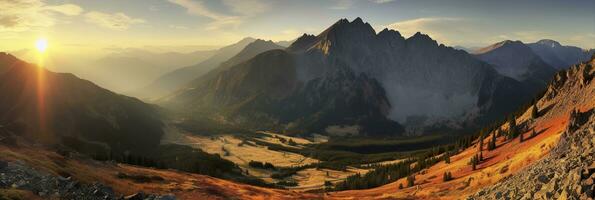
(390,34)
(549,43)
(259,43)
(345,30)
(302,43)
(420,38)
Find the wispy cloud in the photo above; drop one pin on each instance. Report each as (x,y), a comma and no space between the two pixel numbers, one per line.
(66,9)
(198,8)
(248,7)
(381,1)
(23,15)
(241,9)
(116,21)
(439,28)
(342,4)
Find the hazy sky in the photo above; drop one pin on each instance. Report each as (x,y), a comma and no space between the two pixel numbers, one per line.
(94,25)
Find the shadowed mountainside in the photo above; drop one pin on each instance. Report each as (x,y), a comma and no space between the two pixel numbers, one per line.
(52,106)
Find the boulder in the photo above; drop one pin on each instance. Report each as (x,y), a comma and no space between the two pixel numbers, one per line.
(3,164)
(137,196)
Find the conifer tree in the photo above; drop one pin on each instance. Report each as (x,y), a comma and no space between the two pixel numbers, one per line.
(521,137)
(512,128)
(410,180)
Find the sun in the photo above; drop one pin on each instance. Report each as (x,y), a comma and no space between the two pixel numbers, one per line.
(41,44)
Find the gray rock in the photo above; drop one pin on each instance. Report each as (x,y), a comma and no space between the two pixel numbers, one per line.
(542,178)
(3,164)
(137,196)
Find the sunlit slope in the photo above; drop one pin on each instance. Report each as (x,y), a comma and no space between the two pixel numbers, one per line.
(182,185)
(570,89)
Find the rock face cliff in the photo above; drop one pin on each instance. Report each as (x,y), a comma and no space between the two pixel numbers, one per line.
(568,172)
(381,76)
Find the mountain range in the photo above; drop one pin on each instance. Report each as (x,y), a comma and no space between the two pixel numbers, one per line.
(169,82)
(385,80)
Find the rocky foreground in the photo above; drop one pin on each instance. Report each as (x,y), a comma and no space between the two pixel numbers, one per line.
(567,173)
(17,175)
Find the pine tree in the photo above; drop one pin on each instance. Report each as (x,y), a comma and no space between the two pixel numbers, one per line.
(492,143)
(410,180)
(521,137)
(481,137)
(474,161)
(512,128)
(447,176)
(400,186)
(533,133)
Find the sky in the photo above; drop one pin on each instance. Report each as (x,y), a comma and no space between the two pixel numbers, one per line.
(91,27)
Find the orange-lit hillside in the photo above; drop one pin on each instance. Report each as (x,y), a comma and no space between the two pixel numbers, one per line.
(571,89)
(182,185)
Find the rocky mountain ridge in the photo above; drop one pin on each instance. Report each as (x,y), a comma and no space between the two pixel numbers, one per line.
(424,83)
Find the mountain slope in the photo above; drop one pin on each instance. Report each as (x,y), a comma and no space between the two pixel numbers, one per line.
(515,59)
(560,56)
(6,62)
(413,81)
(568,171)
(54,107)
(554,163)
(171,81)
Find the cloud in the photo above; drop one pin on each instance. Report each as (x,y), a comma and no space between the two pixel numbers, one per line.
(247,7)
(441,29)
(66,9)
(116,21)
(241,9)
(342,4)
(381,1)
(178,27)
(198,8)
(23,15)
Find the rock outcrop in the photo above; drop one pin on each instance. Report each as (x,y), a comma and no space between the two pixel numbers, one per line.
(18,175)
(568,172)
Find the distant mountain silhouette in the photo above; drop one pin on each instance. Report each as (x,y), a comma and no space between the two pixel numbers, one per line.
(516,60)
(560,56)
(173,80)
